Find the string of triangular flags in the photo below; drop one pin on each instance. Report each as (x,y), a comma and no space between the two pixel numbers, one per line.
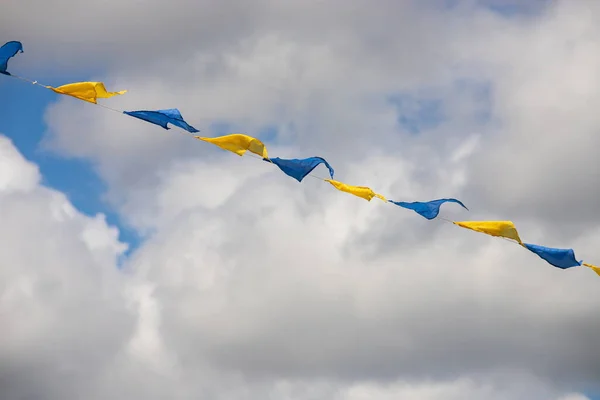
(296,168)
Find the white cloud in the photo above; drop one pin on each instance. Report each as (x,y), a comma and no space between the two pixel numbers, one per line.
(274,290)
(255,323)
(61,311)
(541,157)
(16,175)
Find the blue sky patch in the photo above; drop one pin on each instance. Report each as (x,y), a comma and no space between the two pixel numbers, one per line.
(480,94)
(22,120)
(504,8)
(415,114)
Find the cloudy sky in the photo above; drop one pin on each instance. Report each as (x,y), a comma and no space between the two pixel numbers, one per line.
(138,263)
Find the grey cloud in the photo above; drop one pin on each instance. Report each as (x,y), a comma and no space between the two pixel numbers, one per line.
(107,32)
(539,163)
(293,302)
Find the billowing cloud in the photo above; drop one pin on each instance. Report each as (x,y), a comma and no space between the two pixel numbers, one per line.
(545,93)
(200,299)
(62,311)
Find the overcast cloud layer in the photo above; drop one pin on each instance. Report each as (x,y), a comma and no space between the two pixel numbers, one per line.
(252,286)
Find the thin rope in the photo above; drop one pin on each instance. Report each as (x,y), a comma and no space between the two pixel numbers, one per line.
(27,80)
(108,108)
(438,219)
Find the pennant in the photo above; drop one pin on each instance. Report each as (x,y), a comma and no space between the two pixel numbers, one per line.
(299,168)
(593,267)
(429,209)
(162,118)
(8,50)
(238,144)
(493,228)
(360,191)
(86,91)
(560,258)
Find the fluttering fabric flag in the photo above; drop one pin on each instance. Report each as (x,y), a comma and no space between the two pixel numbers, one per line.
(86,91)
(560,258)
(493,228)
(299,168)
(162,118)
(593,268)
(7,51)
(360,191)
(428,209)
(238,144)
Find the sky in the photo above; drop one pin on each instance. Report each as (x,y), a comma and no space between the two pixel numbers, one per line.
(141,263)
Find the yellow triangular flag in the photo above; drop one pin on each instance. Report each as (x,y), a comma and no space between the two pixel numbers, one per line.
(360,191)
(494,228)
(593,267)
(238,144)
(87,91)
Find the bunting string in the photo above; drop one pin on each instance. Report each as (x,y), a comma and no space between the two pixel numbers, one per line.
(298,169)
